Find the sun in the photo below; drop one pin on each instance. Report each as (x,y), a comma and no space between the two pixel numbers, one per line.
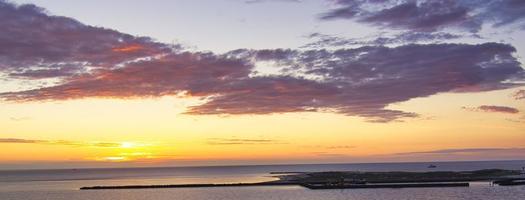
(115,158)
(127,145)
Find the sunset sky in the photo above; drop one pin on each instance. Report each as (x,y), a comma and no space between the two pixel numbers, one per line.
(227,82)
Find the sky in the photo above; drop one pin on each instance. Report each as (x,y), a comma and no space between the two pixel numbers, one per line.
(235,82)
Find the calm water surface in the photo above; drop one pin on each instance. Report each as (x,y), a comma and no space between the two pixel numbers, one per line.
(64,184)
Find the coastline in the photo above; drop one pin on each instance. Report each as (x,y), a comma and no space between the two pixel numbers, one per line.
(355,180)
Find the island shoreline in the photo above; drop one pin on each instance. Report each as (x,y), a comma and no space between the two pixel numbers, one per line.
(356,180)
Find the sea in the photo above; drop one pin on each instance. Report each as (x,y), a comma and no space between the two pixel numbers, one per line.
(64,184)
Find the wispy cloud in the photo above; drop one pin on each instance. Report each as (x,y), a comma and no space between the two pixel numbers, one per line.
(492,108)
(519,95)
(17,140)
(241,141)
(467,151)
(430,15)
(409,37)
(329,154)
(330,147)
(340,147)
(18,119)
(62,142)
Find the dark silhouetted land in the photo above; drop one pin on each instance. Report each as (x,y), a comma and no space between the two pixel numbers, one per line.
(353,179)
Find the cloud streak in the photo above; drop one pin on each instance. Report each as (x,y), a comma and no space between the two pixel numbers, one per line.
(17,140)
(328,41)
(519,95)
(330,147)
(494,109)
(241,141)
(466,151)
(60,142)
(430,15)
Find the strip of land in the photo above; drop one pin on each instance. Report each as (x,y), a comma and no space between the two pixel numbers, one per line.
(271,183)
(355,180)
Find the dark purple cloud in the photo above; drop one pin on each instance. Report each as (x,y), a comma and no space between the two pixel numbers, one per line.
(501,109)
(358,82)
(196,73)
(265,95)
(501,12)
(413,15)
(102,63)
(430,15)
(364,81)
(35,44)
(496,109)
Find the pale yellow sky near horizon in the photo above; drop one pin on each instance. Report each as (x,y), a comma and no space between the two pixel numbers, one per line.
(155,131)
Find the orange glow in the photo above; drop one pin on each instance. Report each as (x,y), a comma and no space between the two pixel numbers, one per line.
(129,48)
(115,158)
(153,131)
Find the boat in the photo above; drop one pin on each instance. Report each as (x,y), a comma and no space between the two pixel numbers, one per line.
(432,166)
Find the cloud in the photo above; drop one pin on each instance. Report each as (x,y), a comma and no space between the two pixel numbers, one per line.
(467,151)
(101,63)
(518,95)
(496,109)
(357,82)
(328,154)
(265,95)
(364,81)
(59,71)
(61,142)
(329,147)
(197,73)
(19,119)
(241,141)
(17,140)
(430,15)
(501,109)
(35,44)
(328,41)
(340,147)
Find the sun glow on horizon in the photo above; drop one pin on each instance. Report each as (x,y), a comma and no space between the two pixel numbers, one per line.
(163,85)
(127,145)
